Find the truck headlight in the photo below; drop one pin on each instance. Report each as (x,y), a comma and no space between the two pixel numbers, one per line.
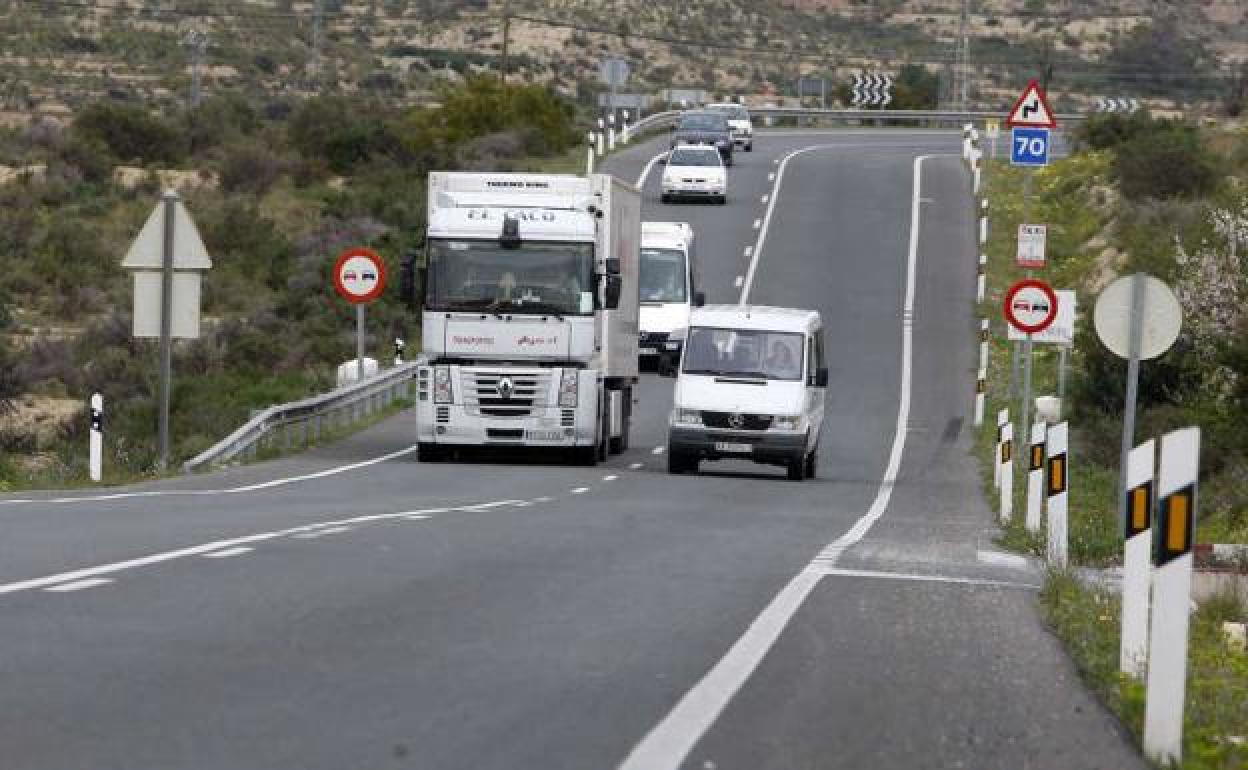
(568,388)
(689,416)
(442,385)
(787,422)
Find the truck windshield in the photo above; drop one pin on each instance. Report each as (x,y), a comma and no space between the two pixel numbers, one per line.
(744,353)
(537,277)
(663,275)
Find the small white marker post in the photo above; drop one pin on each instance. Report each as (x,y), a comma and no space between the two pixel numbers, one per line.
(1035,476)
(601,137)
(966,141)
(589,158)
(1003,417)
(984,336)
(981,384)
(96,441)
(1006,459)
(624,137)
(977,176)
(1057,475)
(983,222)
(1172,591)
(611,132)
(399,347)
(981,279)
(1136,564)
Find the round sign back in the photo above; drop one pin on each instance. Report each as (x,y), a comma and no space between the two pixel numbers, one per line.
(1160,316)
(359,275)
(1030,306)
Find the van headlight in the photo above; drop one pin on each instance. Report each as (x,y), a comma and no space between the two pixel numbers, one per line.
(787,422)
(442,385)
(689,416)
(568,384)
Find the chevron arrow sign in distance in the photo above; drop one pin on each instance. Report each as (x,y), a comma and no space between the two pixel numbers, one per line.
(872,90)
(1110,104)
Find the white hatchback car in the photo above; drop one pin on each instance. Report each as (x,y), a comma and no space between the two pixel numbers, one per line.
(695,171)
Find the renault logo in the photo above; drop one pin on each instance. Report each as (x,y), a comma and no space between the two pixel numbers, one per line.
(505,388)
(736,421)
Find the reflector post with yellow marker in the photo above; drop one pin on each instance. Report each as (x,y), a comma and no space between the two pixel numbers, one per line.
(1005,459)
(985,337)
(1057,479)
(981,278)
(1003,417)
(1136,564)
(1035,477)
(981,385)
(1172,587)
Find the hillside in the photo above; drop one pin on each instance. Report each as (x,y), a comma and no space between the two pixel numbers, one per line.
(58,54)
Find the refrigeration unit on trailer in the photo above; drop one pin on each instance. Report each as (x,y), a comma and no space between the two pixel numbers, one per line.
(529,302)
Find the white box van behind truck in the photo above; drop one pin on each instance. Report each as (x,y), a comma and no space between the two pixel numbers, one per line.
(529,314)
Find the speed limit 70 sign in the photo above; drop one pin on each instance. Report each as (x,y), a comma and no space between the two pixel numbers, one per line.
(1029,146)
(1030,306)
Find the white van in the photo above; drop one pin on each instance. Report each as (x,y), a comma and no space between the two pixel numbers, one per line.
(668,290)
(751,387)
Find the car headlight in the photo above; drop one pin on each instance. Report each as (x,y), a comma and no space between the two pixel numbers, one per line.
(689,416)
(568,388)
(787,422)
(442,385)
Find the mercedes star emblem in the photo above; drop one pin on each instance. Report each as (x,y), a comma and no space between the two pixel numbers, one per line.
(736,421)
(505,388)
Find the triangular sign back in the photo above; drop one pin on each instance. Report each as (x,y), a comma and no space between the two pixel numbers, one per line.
(189,252)
(1032,109)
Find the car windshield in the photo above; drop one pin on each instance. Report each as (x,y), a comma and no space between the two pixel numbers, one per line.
(733,111)
(689,157)
(537,277)
(744,353)
(663,275)
(703,122)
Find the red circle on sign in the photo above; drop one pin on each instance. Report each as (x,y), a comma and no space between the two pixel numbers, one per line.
(1030,286)
(359,275)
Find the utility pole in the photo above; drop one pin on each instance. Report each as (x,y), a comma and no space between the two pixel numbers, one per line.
(963,65)
(506,62)
(196,42)
(314,59)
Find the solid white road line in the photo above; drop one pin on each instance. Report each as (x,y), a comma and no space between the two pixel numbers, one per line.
(645,172)
(874,575)
(216,492)
(228,552)
(670,741)
(658,450)
(199,550)
(580,490)
(78,585)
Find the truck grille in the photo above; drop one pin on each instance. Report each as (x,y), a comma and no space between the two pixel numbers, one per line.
(748,421)
(506,394)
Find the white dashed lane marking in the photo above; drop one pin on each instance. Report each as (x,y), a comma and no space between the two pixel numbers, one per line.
(739,280)
(764,199)
(228,552)
(580,490)
(78,585)
(610,478)
(636,466)
(758,223)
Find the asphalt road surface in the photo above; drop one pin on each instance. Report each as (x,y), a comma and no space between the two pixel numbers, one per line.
(352,608)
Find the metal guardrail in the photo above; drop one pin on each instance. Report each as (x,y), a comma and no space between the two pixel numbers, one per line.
(956,117)
(311,417)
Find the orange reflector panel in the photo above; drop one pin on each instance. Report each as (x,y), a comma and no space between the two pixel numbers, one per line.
(1140,504)
(1176,527)
(979,386)
(1176,517)
(1007,451)
(1037,457)
(1057,474)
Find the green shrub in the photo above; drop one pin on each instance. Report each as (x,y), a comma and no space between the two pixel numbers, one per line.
(1169,162)
(130,133)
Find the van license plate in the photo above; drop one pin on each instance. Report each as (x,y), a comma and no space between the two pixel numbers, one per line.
(649,351)
(543,435)
(727,446)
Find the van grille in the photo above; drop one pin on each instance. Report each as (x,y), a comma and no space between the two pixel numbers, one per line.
(506,394)
(724,420)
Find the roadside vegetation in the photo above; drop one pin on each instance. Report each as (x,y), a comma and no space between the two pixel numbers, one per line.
(276,194)
(1168,199)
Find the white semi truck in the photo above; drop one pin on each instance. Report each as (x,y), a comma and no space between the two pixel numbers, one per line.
(529,302)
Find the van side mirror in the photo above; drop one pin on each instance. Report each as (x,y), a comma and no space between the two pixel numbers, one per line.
(821,377)
(699,298)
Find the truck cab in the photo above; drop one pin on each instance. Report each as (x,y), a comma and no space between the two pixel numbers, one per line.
(669,290)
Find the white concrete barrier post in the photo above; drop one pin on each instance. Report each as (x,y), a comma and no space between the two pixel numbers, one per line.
(1172,591)
(1035,477)
(1003,417)
(1136,562)
(1006,459)
(95,460)
(589,159)
(981,278)
(611,132)
(602,137)
(1057,475)
(981,385)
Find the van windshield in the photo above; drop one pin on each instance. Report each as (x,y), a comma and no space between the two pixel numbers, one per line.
(744,353)
(663,275)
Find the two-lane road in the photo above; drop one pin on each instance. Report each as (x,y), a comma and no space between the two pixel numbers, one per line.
(328,611)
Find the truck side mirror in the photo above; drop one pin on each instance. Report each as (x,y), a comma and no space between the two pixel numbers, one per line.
(699,298)
(612,288)
(821,377)
(613,265)
(411,281)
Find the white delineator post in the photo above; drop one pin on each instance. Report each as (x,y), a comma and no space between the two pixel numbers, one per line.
(624,131)
(1172,592)
(1057,476)
(984,337)
(983,222)
(966,142)
(981,278)
(1005,458)
(602,137)
(589,159)
(96,442)
(1136,562)
(611,132)
(1035,477)
(981,384)
(1003,417)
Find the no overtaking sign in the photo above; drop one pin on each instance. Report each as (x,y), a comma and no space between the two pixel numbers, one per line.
(1030,306)
(359,275)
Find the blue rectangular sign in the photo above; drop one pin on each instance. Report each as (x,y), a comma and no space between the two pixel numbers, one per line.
(1029,146)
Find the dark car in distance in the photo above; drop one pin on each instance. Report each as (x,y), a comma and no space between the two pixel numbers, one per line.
(705,127)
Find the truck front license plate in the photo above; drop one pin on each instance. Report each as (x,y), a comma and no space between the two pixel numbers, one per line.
(727,446)
(543,435)
(649,351)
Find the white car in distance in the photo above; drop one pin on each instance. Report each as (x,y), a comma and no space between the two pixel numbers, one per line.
(694,171)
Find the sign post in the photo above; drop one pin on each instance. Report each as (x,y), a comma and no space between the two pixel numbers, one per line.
(1172,590)
(359,278)
(1136,572)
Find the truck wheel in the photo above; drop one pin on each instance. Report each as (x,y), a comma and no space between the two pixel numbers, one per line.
(812,461)
(678,463)
(797,468)
(430,453)
(749,147)
(585,456)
